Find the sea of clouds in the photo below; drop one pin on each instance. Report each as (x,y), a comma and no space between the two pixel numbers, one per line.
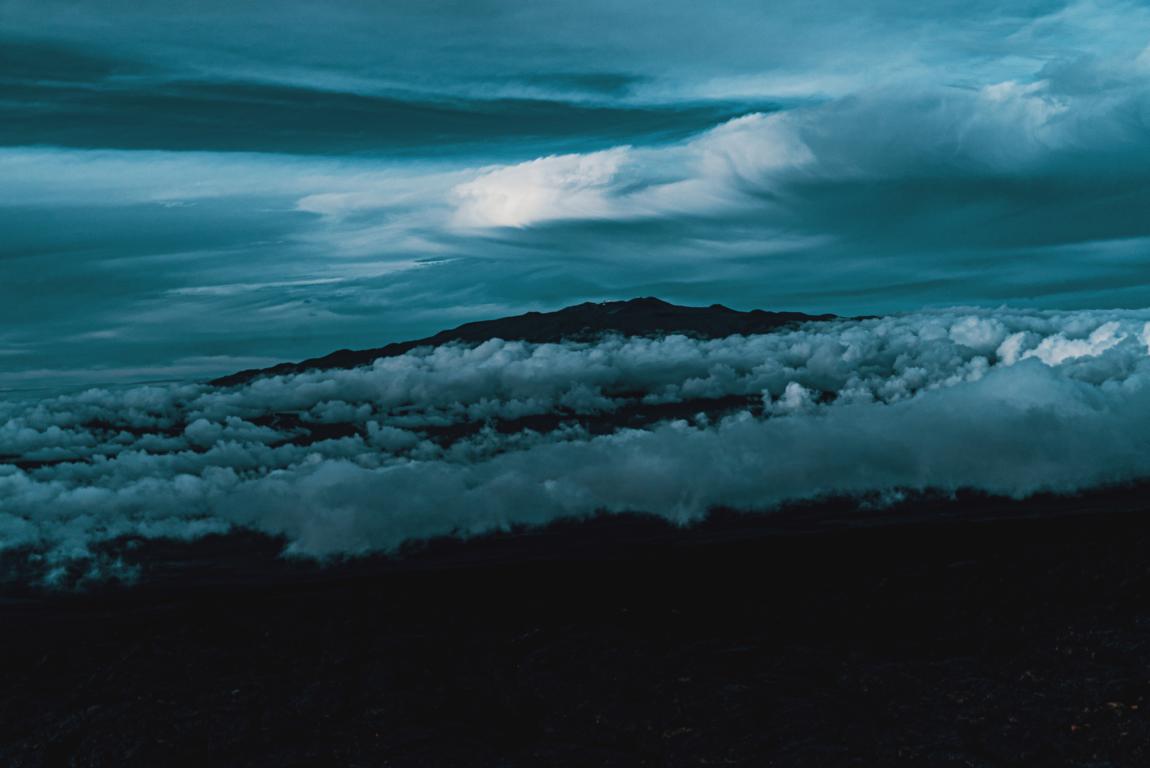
(460,440)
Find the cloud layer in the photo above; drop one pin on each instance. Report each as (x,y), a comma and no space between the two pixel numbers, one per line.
(462,440)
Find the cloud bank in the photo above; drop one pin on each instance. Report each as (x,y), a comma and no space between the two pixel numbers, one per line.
(463,440)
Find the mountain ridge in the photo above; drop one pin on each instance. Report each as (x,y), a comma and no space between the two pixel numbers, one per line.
(645,316)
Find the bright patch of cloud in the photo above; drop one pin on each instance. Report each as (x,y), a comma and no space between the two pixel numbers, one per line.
(549,188)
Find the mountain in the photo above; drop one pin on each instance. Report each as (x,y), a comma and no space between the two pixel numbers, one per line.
(583,322)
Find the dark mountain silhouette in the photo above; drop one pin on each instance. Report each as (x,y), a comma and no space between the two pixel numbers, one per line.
(582,322)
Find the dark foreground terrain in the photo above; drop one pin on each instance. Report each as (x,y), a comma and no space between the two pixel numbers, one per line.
(792,640)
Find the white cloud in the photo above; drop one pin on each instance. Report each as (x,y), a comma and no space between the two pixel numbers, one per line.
(887,132)
(549,188)
(709,174)
(1055,350)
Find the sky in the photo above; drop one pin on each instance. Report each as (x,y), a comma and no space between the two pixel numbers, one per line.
(190,189)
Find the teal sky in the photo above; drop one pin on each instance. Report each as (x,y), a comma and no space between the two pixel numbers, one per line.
(186,192)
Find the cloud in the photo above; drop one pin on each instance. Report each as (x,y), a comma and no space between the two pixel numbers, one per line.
(461,440)
(555,187)
(1055,350)
(1074,114)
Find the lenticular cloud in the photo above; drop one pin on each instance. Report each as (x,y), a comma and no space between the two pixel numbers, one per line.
(460,440)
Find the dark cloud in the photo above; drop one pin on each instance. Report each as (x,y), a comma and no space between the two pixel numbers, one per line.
(53,95)
(602,83)
(48,63)
(455,42)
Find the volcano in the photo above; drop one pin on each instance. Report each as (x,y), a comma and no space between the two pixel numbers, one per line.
(650,317)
